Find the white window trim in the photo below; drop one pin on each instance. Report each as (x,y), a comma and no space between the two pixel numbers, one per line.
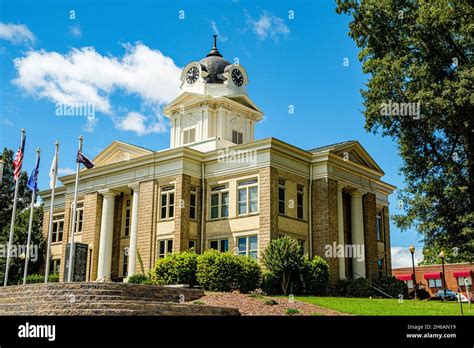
(193,193)
(56,220)
(247,244)
(247,203)
(298,192)
(284,201)
(461,281)
(168,201)
(189,129)
(218,243)
(122,263)
(237,136)
(219,204)
(166,240)
(435,283)
(124,217)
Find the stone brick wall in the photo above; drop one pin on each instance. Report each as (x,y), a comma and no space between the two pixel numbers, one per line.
(66,235)
(268,209)
(91,230)
(117,234)
(388,255)
(181,213)
(146,222)
(370,236)
(324,222)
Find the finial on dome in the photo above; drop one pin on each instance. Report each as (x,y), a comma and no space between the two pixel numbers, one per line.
(214,51)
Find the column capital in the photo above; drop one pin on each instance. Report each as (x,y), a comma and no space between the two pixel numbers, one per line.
(108,193)
(340,185)
(134,186)
(357,193)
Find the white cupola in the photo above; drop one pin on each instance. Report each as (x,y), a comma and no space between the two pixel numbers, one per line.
(212,110)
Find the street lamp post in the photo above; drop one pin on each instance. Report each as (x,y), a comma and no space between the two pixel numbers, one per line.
(442,256)
(412,251)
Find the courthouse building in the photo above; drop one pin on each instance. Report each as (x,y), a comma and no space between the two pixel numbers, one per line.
(218,187)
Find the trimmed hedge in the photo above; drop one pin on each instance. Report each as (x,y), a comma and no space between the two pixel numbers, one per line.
(176,268)
(217,271)
(139,278)
(315,276)
(39,278)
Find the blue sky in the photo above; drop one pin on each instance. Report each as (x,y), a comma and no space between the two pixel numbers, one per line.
(106,53)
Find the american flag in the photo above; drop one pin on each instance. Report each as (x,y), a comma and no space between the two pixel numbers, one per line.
(18,161)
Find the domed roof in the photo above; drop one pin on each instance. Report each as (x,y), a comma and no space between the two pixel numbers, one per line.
(214,64)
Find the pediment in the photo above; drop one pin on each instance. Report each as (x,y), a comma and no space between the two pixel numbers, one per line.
(119,152)
(354,152)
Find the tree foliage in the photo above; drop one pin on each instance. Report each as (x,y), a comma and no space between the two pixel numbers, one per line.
(422,52)
(15,274)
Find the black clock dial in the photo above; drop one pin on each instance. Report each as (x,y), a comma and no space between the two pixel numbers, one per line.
(237,77)
(192,75)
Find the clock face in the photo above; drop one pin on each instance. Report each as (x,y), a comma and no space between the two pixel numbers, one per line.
(237,77)
(192,75)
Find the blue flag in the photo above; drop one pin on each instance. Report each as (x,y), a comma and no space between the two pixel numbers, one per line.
(33,180)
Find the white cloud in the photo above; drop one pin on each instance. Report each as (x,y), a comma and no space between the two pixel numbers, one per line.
(16,33)
(75,31)
(401,257)
(141,124)
(65,171)
(216,31)
(268,26)
(85,76)
(6,122)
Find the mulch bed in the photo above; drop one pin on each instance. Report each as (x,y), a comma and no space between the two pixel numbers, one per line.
(262,305)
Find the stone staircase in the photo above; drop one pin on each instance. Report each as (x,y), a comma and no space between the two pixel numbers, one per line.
(104,299)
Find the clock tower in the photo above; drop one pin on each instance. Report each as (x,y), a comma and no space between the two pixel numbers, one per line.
(213,109)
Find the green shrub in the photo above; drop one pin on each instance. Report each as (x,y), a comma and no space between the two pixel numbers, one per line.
(270,302)
(284,259)
(315,276)
(270,284)
(218,271)
(176,268)
(53,278)
(354,288)
(292,311)
(392,286)
(34,278)
(138,278)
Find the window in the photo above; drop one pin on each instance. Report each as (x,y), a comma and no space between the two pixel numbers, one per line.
(409,284)
(302,243)
(54,266)
(237,137)
(248,246)
(219,202)
(219,244)
(167,202)
(380,267)
(126,229)
(79,216)
(125,262)
(299,202)
(192,204)
(281,197)
(165,247)
(435,283)
(248,197)
(189,136)
(379,227)
(192,244)
(461,281)
(58,228)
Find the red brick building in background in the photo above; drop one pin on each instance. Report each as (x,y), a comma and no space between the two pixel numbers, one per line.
(431,276)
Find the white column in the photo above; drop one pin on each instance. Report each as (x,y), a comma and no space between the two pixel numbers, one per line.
(340,231)
(106,236)
(357,230)
(132,249)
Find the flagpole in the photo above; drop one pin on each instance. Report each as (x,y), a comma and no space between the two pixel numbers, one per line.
(30,225)
(51,209)
(71,248)
(12,225)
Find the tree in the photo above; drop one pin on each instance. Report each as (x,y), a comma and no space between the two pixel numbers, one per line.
(21,222)
(420,54)
(284,258)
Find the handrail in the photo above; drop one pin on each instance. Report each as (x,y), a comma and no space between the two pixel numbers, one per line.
(373,286)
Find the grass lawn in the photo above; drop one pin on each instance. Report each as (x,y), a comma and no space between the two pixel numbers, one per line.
(365,306)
